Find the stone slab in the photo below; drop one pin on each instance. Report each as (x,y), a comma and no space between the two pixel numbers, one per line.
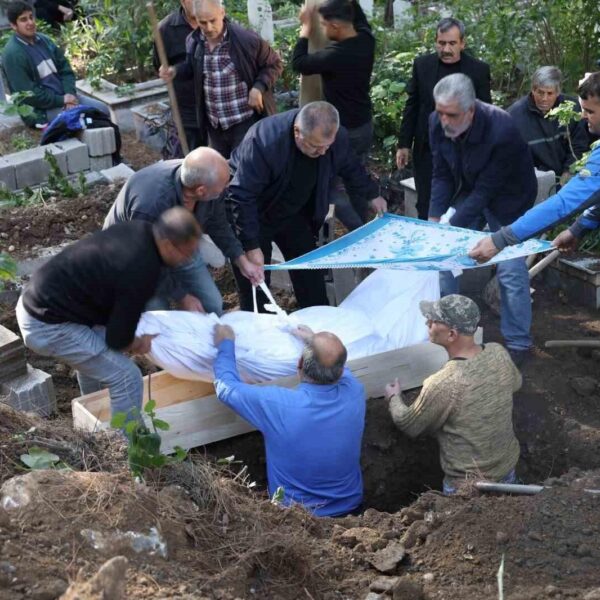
(8,339)
(77,155)
(119,173)
(100,141)
(31,168)
(100,163)
(8,176)
(33,391)
(410,197)
(15,368)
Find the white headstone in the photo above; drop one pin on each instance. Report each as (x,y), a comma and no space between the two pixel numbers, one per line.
(367,6)
(401,13)
(260,17)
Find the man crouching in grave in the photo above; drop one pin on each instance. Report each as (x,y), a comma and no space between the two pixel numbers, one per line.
(83,306)
(312,432)
(467,405)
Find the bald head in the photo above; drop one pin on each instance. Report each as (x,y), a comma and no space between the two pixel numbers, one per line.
(324,358)
(204,175)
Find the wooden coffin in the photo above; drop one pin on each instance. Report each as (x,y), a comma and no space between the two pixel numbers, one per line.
(197,417)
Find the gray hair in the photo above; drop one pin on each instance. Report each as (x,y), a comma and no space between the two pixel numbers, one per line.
(318,115)
(177,225)
(448,23)
(199,167)
(198,4)
(455,88)
(314,369)
(547,77)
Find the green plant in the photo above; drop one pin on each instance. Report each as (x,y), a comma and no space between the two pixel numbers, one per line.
(17,107)
(22,141)
(8,269)
(144,444)
(56,180)
(38,459)
(566,115)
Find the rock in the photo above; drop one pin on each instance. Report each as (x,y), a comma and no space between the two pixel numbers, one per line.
(6,573)
(391,534)
(584,386)
(373,596)
(50,589)
(409,515)
(417,532)
(406,589)
(428,577)
(551,590)
(108,582)
(592,595)
(387,560)
(535,536)
(383,584)
(501,537)
(358,535)
(583,550)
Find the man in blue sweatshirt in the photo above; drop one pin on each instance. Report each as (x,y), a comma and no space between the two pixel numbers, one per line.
(312,432)
(581,192)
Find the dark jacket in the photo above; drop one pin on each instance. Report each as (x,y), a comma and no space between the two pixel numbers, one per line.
(103,279)
(23,76)
(175,29)
(156,188)
(263,163)
(419,105)
(546,138)
(490,168)
(345,68)
(257,64)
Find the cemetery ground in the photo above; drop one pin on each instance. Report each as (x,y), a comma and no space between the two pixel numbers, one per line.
(224,539)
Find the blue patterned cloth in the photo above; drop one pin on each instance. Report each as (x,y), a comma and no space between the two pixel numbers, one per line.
(395,242)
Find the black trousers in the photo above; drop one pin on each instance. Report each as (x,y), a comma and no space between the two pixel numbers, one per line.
(225,141)
(294,239)
(423,170)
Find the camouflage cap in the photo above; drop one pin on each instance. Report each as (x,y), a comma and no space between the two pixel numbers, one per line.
(456,311)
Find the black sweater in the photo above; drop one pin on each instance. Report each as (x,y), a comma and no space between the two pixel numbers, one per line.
(104,279)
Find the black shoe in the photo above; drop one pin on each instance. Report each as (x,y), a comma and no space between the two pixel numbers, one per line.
(519,357)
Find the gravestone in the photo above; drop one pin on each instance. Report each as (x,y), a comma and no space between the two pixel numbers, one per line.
(402,14)
(260,17)
(367,6)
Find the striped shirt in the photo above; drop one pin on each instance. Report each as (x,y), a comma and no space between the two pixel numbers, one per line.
(225,94)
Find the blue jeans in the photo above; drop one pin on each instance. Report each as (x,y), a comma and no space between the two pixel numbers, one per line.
(84,349)
(515,299)
(193,278)
(449,489)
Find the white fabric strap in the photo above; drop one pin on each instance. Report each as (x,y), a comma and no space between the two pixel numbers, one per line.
(272,307)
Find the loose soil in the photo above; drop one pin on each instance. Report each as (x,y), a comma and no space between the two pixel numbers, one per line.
(228,541)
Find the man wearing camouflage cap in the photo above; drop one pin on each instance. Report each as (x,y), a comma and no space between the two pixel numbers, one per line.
(467,405)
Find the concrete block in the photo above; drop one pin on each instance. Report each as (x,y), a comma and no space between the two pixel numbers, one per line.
(93,177)
(121,173)
(77,155)
(30,166)
(210,254)
(33,391)
(59,154)
(100,163)
(546,182)
(8,176)
(100,141)
(410,197)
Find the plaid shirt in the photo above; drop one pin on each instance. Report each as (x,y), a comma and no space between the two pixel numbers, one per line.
(225,94)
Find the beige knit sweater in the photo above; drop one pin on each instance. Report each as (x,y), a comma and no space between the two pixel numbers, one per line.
(468,405)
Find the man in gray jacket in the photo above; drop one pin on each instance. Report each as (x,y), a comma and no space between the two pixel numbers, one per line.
(196,183)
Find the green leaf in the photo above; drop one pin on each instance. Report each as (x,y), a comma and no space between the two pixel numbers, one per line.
(150,406)
(118,420)
(278,496)
(180,454)
(397,86)
(389,141)
(160,424)
(37,458)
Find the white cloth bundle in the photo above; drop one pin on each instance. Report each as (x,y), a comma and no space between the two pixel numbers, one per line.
(381,314)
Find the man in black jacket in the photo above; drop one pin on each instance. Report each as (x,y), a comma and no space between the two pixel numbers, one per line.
(196,183)
(234,72)
(284,171)
(547,139)
(427,71)
(84,304)
(345,66)
(175,29)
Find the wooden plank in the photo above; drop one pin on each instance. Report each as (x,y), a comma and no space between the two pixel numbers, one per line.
(198,417)
(311,85)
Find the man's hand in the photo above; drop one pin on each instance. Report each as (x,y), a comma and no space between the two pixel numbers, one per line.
(70,101)
(379,205)
(66,12)
(564,178)
(393,389)
(433,219)
(256,256)
(191,304)
(402,156)
(167,74)
(255,100)
(222,332)
(141,344)
(303,333)
(255,273)
(565,241)
(305,18)
(484,250)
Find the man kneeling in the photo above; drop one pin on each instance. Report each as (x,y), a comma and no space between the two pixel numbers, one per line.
(467,405)
(312,432)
